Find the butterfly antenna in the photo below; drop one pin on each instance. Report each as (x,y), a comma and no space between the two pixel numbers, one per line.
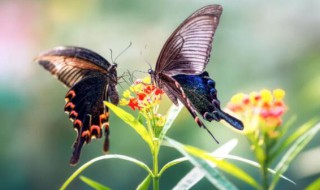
(214,138)
(123,51)
(111,55)
(131,76)
(150,67)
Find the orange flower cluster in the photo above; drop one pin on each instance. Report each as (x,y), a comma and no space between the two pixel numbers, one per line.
(262,109)
(142,95)
(145,97)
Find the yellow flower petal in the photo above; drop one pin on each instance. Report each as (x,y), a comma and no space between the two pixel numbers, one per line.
(126,94)
(237,98)
(147,80)
(266,96)
(278,94)
(123,102)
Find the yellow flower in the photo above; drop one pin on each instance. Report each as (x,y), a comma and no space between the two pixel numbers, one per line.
(259,111)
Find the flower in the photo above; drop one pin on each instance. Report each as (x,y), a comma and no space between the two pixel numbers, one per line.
(142,95)
(145,98)
(259,110)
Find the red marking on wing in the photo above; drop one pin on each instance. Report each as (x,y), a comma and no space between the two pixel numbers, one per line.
(77,124)
(71,94)
(73,114)
(69,106)
(85,133)
(102,118)
(96,128)
(198,121)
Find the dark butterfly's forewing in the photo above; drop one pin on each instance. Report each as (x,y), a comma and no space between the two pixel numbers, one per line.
(187,51)
(91,79)
(181,63)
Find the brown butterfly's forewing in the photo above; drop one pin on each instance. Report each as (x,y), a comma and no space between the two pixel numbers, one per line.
(91,80)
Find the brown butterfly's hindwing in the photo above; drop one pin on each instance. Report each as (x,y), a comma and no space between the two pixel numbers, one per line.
(91,79)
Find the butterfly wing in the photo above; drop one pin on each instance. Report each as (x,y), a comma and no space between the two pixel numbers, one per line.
(71,64)
(187,51)
(91,80)
(84,104)
(180,67)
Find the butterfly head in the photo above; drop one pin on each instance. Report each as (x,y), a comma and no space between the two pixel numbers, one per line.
(150,72)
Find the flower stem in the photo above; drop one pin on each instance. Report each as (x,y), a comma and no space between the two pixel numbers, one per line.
(264,165)
(155,171)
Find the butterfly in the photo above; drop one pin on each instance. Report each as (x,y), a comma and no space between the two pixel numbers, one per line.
(91,79)
(180,68)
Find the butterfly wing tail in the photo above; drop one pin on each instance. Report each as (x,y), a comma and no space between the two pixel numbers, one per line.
(236,123)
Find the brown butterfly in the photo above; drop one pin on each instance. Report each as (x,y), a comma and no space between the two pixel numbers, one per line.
(91,79)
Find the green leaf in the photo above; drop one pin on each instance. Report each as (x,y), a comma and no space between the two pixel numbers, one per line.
(199,158)
(314,185)
(284,145)
(196,174)
(255,164)
(172,163)
(144,185)
(94,184)
(171,116)
(293,151)
(133,122)
(104,157)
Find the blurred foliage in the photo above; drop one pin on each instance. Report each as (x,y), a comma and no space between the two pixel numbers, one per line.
(258,45)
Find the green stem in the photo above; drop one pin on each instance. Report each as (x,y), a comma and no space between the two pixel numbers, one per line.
(156,176)
(264,165)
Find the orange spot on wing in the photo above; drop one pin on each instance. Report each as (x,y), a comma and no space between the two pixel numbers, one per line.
(73,114)
(198,121)
(85,133)
(95,127)
(71,94)
(102,118)
(77,123)
(69,106)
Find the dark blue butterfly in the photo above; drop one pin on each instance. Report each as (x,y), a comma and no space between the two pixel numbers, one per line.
(91,79)
(180,67)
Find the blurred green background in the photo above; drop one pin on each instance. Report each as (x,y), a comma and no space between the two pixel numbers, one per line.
(268,44)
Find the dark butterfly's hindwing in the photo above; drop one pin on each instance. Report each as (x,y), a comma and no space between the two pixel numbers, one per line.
(181,63)
(201,93)
(92,80)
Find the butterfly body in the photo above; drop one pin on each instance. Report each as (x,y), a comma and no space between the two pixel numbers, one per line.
(91,80)
(180,68)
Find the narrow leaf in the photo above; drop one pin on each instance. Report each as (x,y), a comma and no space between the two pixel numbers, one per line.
(284,145)
(104,157)
(314,185)
(223,165)
(95,185)
(144,185)
(172,163)
(212,174)
(131,121)
(196,174)
(255,164)
(293,151)
(171,116)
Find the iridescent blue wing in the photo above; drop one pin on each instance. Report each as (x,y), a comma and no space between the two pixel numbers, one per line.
(91,80)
